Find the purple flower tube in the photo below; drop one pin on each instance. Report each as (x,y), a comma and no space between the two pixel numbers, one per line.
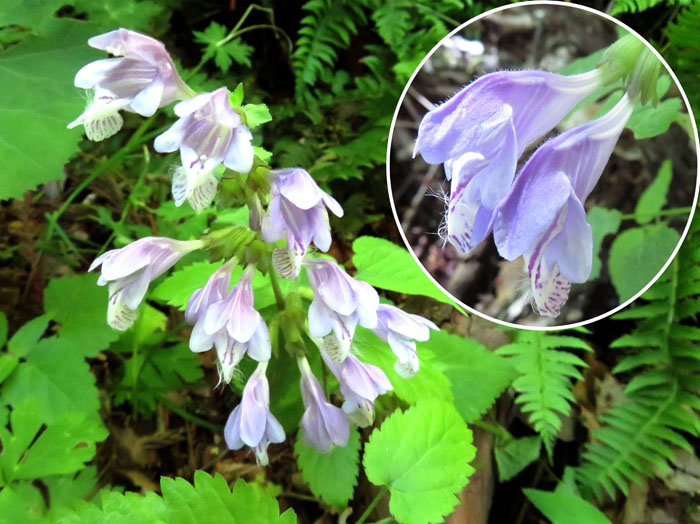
(360,385)
(401,330)
(208,133)
(141,80)
(234,327)
(297,211)
(130,269)
(340,303)
(251,423)
(323,424)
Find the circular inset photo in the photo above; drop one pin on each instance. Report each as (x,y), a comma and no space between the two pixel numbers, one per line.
(543,165)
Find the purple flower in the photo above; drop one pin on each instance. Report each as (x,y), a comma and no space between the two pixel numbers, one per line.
(251,422)
(234,327)
(213,291)
(481,131)
(141,81)
(323,424)
(339,303)
(360,384)
(297,211)
(543,218)
(130,269)
(208,133)
(401,330)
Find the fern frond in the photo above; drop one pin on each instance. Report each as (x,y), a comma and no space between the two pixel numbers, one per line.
(544,384)
(684,51)
(634,6)
(327,28)
(660,400)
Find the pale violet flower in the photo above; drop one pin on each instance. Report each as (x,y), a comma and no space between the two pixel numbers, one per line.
(360,385)
(208,133)
(323,424)
(251,423)
(543,218)
(129,270)
(340,302)
(213,291)
(401,330)
(481,132)
(297,211)
(234,327)
(141,80)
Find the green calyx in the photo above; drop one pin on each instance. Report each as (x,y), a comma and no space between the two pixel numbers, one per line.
(629,60)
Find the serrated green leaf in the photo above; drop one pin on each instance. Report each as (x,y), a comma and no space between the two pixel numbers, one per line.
(477,376)
(63,447)
(57,377)
(422,455)
(39,101)
(603,222)
(653,199)
(515,455)
(637,255)
(388,266)
(236,96)
(80,306)
(237,51)
(648,121)
(331,476)
(211,500)
(66,490)
(256,114)
(26,338)
(565,508)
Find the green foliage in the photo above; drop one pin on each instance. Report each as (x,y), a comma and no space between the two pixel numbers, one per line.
(515,454)
(646,249)
(684,51)
(80,307)
(544,381)
(565,508)
(209,500)
(653,199)
(39,102)
(660,401)
(223,50)
(327,28)
(429,461)
(603,222)
(624,6)
(388,266)
(67,442)
(476,375)
(331,476)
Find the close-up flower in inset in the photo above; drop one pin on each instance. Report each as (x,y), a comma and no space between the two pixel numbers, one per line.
(129,270)
(141,80)
(480,133)
(543,218)
(208,133)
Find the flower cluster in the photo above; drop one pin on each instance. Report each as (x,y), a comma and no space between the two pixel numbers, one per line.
(208,133)
(481,132)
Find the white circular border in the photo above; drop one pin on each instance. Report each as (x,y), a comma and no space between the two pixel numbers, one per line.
(697,154)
